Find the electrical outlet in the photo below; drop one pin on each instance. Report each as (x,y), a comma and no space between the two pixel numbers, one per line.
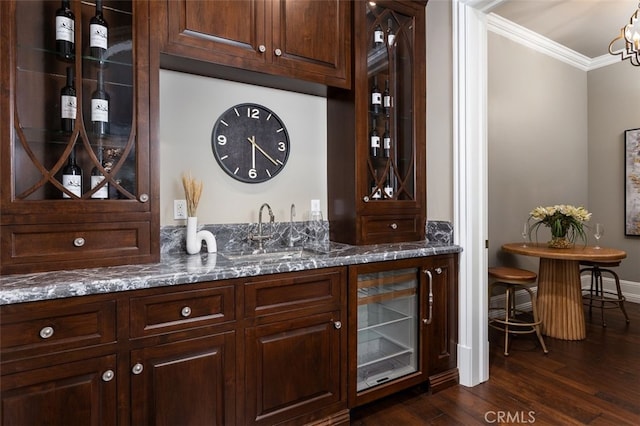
(179,209)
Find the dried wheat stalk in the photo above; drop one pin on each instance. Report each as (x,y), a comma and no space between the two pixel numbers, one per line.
(192,192)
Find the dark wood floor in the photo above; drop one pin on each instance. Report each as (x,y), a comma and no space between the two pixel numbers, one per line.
(595,381)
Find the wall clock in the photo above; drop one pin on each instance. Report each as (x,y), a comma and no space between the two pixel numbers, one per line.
(250,142)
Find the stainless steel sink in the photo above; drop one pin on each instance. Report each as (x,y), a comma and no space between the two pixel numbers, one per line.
(268,255)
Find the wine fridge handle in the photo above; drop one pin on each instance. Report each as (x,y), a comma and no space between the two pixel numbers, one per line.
(428,320)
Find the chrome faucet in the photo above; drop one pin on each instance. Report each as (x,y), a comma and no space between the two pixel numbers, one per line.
(260,237)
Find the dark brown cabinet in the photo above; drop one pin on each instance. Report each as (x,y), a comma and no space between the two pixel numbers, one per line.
(189,382)
(303,39)
(295,348)
(260,350)
(402,322)
(44,225)
(376,132)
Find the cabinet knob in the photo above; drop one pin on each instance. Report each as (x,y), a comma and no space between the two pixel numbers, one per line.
(278,52)
(262,48)
(337,325)
(79,242)
(137,369)
(144,198)
(108,375)
(365,198)
(185,312)
(46,332)
(394,226)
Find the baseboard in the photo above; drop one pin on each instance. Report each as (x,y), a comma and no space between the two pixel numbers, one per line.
(630,289)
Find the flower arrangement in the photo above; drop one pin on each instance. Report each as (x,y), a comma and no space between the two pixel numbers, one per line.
(565,222)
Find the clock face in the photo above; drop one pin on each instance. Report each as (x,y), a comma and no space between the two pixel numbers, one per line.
(250,143)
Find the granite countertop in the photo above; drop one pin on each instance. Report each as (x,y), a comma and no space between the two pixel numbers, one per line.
(181,268)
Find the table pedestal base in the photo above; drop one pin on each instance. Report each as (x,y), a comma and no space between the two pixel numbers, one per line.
(560,299)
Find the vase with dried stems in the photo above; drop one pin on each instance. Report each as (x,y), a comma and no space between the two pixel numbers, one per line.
(192,193)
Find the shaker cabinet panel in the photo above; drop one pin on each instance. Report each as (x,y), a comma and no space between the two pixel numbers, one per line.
(302,39)
(77,393)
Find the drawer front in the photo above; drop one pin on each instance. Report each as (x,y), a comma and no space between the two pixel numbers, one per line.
(380,229)
(46,327)
(62,243)
(162,313)
(293,291)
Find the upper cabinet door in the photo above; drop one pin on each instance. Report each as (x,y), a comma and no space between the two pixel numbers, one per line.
(206,30)
(313,38)
(303,39)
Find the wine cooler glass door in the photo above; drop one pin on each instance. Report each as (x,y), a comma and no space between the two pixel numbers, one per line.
(387,326)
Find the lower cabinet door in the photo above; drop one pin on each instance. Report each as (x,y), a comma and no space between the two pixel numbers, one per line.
(293,369)
(188,382)
(76,393)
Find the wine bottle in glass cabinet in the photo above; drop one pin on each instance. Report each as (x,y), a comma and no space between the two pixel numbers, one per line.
(77,75)
(377,187)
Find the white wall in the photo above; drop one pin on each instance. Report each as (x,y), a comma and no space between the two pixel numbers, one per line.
(537,127)
(614,106)
(189,106)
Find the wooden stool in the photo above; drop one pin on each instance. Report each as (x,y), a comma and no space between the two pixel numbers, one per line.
(596,292)
(514,279)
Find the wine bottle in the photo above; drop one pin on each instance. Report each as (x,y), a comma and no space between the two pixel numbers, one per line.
(65,31)
(386,140)
(376,97)
(374,140)
(100,108)
(68,103)
(72,176)
(99,33)
(378,35)
(391,35)
(388,186)
(386,99)
(97,177)
(376,193)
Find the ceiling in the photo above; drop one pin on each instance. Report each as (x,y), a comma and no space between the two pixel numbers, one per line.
(585,26)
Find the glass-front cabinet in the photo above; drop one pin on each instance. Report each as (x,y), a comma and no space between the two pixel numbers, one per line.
(76,181)
(386,146)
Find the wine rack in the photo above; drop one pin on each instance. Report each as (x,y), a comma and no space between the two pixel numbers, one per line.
(389,60)
(386,146)
(41,146)
(115,217)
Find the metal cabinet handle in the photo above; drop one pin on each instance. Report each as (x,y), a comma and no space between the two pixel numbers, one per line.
(394,226)
(438,271)
(430,317)
(137,369)
(108,375)
(79,242)
(46,332)
(365,198)
(337,325)
(262,48)
(144,198)
(185,312)
(278,52)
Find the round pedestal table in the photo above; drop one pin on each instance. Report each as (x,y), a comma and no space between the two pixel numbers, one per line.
(559,288)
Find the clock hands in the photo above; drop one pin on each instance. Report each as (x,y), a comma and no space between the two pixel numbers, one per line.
(252,139)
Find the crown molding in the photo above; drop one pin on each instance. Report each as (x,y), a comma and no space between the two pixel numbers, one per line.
(535,41)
